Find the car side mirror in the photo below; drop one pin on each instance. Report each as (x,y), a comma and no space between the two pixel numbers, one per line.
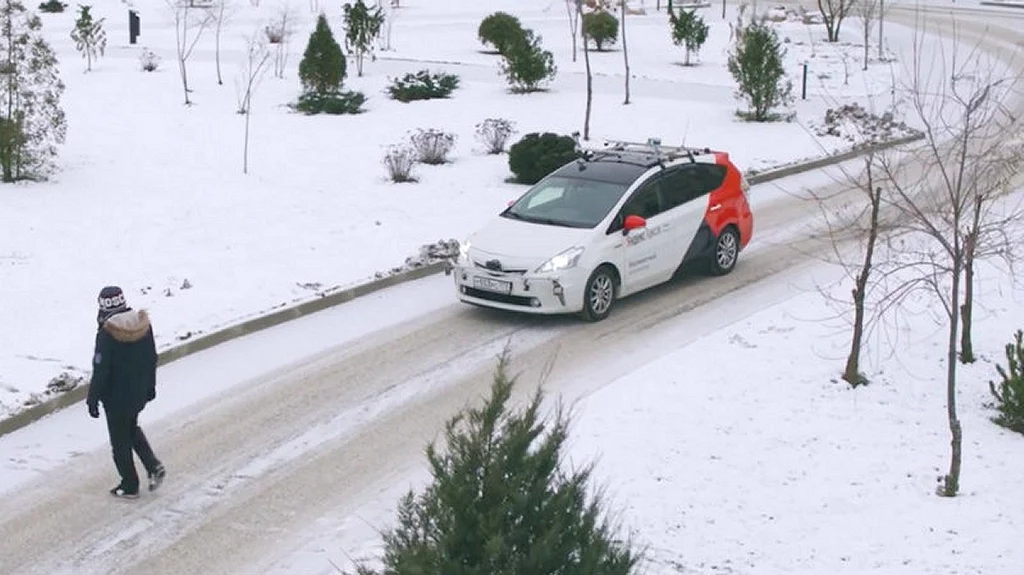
(633,223)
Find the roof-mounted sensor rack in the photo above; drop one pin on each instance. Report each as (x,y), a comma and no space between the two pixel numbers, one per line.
(652,147)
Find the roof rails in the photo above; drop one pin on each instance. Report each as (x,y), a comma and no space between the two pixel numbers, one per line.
(652,147)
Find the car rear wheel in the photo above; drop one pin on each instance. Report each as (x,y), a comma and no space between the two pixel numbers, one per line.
(727,251)
(599,294)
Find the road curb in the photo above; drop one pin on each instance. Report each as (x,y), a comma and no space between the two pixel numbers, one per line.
(206,341)
(799,168)
(248,327)
(998,4)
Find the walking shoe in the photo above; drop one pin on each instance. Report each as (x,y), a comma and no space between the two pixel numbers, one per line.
(157,477)
(121,493)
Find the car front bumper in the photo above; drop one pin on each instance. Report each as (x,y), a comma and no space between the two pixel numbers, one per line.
(531,293)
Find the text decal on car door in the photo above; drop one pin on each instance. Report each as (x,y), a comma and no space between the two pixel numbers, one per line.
(642,261)
(643,236)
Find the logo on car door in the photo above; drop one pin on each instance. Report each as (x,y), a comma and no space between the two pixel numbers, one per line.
(644,235)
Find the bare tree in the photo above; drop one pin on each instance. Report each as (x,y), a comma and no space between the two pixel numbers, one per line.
(590,76)
(625,48)
(255,66)
(278,33)
(572,9)
(833,12)
(390,10)
(867,11)
(856,222)
(189,25)
(955,204)
(221,13)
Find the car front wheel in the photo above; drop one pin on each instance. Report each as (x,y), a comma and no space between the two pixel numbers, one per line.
(599,294)
(727,251)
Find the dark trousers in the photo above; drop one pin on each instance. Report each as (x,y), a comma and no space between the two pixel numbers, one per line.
(126,437)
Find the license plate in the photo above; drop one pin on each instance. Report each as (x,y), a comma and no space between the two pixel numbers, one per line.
(491,284)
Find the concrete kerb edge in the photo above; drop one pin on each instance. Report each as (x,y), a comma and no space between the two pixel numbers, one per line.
(206,341)
(792,170)
(1002,4)
(248,327)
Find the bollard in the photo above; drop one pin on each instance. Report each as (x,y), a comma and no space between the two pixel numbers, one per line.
(134,26)
(803,90)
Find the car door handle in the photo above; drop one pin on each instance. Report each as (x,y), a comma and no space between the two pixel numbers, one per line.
(715,208)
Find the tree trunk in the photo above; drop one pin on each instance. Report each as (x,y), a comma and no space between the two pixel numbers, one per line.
(245,148)
(881,26)
(966,313)
(625,51)
(572,25)
(220,20)
(852,373)
(867,47)
(184,80)
(951,481)
(967,309)
(590,77)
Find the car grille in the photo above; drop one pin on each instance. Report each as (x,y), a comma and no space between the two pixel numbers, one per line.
(498,297)
(483,266)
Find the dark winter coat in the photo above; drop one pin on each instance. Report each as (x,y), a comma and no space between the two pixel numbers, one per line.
(124,363)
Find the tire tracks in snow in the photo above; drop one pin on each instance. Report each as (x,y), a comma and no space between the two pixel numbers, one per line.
(260,463)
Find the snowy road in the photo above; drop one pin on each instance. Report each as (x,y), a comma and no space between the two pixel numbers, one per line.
(252,464)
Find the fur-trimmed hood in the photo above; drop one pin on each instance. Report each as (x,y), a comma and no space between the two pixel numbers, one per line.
(128,326)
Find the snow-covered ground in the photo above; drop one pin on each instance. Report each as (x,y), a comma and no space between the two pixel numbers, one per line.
(744,453)
(151,195)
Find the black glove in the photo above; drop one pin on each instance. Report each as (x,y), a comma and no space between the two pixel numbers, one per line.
(94,410)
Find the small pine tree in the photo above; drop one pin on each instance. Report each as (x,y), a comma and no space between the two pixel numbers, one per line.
(1009,395)
(88,35)
(526,65)
(362,27)
(688,29)
(601,27)
(32,123)
(756,63)
(322,69)
(499,502)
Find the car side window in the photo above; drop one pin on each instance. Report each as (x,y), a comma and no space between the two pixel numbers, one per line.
(681,185)
(690,182)
(713,176)
(645,202)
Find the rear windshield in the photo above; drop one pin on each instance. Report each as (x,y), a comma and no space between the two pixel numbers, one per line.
(569,202)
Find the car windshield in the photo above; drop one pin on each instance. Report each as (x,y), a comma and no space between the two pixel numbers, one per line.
(569,202)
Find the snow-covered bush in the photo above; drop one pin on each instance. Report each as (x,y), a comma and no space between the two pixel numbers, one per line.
(149,61)
(423,85)
(494,133)
(399,160)
(526,65)
(536,155)
(601,28)
(52,6)
(432,146)
(500,30)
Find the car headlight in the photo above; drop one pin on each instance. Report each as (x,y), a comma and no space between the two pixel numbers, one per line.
(464,252)
(563,261)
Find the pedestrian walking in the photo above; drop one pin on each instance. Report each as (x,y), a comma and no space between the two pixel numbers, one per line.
(124,381)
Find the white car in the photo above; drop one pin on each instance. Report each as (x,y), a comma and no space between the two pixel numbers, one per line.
(612,223)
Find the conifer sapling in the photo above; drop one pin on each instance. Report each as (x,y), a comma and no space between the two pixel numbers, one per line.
(362,27)
(88,35)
